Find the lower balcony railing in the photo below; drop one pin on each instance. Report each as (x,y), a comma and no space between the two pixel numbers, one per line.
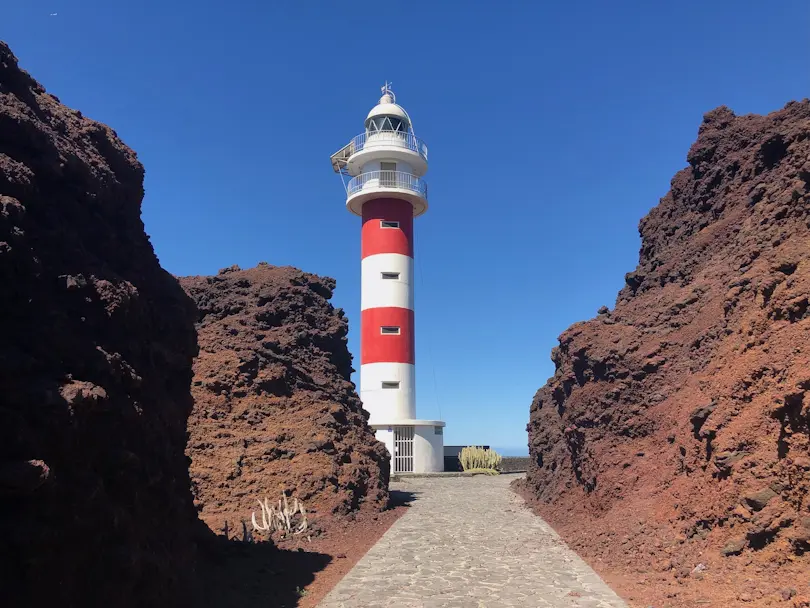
(395,180)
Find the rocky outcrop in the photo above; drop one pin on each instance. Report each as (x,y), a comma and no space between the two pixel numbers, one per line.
(95,366)
(274,407)
(676,424)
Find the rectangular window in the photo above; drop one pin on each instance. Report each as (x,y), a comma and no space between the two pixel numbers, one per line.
(438,430)
(388,224)
(388,166)
(390,276)
(389,330)
(390,384)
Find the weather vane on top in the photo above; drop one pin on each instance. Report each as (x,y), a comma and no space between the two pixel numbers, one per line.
(387,90)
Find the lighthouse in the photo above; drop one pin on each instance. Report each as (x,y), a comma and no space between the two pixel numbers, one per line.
(385,166)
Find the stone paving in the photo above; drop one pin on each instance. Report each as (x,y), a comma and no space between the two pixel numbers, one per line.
(469,542)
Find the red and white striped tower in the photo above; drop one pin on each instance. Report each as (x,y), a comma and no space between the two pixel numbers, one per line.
(386,164)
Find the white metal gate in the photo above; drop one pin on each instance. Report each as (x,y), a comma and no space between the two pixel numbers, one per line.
(403,449)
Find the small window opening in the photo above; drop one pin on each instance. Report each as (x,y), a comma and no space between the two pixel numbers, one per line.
(384,166)
(437,430)
(389,330)
(390,384)
(390,276)
(388,224)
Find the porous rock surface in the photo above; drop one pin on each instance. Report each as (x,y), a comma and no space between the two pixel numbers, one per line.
(674,431)
(274,407)
(95,365)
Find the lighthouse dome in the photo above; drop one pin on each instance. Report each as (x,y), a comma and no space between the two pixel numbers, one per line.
(387,115)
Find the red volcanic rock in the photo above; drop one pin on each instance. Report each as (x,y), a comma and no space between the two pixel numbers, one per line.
(676,425)
(95,366)
(274,407)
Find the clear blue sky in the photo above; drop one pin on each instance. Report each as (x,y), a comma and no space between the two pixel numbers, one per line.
(553,127)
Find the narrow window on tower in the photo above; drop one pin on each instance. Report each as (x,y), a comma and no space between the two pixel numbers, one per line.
(390,384)
(388,224)
(390,276)
(389,330)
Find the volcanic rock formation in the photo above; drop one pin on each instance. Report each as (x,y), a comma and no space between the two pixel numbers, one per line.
(95,365)
(274,407)
(675,428)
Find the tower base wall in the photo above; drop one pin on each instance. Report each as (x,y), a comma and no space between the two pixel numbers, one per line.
(428,444)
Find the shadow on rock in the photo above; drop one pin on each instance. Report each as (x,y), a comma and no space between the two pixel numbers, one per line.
(236,574)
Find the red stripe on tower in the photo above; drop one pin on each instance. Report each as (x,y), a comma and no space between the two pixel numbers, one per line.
(378,236)
(381,342)
(387,333)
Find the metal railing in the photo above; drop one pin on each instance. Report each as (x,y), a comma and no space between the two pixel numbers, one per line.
(388,138)
(388,179)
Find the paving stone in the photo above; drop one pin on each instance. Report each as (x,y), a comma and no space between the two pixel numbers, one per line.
(469,542)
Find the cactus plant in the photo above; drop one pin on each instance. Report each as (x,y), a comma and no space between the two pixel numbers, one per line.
(280,519)
(478,459)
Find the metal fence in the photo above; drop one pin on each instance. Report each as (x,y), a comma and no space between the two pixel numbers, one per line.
(388,179)
(387,138)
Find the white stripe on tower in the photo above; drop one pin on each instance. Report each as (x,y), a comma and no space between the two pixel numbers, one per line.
(387,280)
(388,405)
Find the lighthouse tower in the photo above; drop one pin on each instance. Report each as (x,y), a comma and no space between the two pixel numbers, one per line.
(386,164)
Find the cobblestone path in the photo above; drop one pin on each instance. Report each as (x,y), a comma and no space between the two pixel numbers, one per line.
(469,542)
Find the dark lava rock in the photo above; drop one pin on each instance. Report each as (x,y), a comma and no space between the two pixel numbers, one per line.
(757,500)
(722,295)
(700,415)
(95,365)
(22,477)
(801,533)
(274,407)
(724,461)
(734,546)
